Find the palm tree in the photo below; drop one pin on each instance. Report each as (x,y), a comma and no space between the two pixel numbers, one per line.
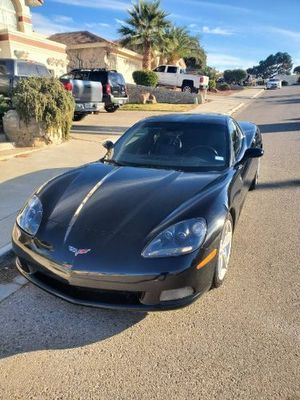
(178,43)
(144,29)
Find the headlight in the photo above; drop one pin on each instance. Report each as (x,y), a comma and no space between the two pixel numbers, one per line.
(31,216)
(179,239)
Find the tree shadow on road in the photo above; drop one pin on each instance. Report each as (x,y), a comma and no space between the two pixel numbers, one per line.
(32,320)
(280,127)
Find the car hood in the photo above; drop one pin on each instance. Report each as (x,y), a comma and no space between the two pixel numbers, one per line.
(103,207)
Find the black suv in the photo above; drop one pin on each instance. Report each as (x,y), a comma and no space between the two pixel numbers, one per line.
(113,83)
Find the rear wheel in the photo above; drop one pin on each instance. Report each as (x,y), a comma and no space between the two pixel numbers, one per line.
(224,252)
(78,117)
(187,88)
(111,109)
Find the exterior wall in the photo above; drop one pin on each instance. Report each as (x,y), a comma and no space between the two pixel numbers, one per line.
(34,47)
(127,66)
(99,55)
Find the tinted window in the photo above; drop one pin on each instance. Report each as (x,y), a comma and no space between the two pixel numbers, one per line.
(236,137)
(4,68)
(161,68)
(172,70)
(116,79)
(81,75)
(174,145)
(99,76)
(31,69)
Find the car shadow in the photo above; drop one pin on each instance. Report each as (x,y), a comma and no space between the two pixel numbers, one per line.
(280,127)
(33,320)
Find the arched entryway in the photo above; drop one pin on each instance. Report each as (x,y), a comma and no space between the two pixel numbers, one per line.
(8,15)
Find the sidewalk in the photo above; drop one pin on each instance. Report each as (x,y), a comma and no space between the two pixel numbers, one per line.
(21,175)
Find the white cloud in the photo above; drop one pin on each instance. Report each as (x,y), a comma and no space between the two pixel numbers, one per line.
(218,6)
(226,61)
(48,26)
(217,31)
(97,25)
(119,21)
(98,4)
(294,35)
(63,19)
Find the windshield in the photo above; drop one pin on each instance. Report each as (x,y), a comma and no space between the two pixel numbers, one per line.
(174,145)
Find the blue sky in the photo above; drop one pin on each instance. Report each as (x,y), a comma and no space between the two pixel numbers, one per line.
(234,33)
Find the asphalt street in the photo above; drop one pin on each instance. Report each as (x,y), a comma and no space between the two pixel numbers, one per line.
(241,341)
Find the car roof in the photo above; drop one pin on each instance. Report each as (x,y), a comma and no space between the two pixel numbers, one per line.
(191,118)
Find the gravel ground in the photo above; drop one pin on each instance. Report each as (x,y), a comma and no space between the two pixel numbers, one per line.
(241,341)
(8,270)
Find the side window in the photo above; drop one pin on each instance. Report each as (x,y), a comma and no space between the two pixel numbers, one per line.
(172,70)
(3,68)
(98,76)
(161,68)
(236,137)
(182,71)
(114,79)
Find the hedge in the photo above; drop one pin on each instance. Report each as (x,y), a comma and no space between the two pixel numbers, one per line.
(145,78)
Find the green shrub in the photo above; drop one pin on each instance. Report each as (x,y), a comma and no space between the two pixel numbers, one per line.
(212,84)
(46,101)
(284,83)
(224,86)
(145,78)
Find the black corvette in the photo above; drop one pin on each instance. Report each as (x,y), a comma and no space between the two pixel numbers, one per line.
(150,225)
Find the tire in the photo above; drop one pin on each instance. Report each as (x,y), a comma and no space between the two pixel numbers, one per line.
(224,252)
(254,183)
(111,109)
(187,88)
(78,117)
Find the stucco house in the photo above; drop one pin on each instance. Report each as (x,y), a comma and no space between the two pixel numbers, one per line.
(87,50)
(18,39)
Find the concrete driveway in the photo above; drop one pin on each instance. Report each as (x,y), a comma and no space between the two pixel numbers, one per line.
(241,341)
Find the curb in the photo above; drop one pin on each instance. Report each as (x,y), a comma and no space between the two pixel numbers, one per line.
(9,156)
(5,249)
(8,289)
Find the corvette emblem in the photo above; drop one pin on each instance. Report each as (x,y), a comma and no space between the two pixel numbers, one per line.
(78,252)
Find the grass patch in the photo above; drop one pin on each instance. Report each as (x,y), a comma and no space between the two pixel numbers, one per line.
(164,107)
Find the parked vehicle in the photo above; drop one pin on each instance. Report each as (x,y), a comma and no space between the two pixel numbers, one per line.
(11,70)
(88,95)
(175,76)
(150,225)
(113,83)
(274,84)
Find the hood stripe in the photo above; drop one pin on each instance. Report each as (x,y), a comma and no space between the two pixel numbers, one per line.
(85,200)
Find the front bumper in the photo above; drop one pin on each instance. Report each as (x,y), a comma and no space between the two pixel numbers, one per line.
(134,292)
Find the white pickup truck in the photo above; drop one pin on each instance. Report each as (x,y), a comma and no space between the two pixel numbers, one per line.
(175,76)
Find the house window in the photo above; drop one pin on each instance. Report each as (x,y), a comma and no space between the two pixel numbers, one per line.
(8,15)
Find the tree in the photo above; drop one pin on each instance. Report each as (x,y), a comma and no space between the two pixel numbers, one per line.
(144,29)
(297,70)
(177,43)
(279,63)
(211,72)
(234,75)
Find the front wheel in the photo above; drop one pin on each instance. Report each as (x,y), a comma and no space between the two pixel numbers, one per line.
(111,109)
(224,252)
(255,180)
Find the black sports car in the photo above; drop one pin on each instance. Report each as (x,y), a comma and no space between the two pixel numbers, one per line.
(150,225)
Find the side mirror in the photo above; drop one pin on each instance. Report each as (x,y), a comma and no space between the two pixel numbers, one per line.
(108,145)
(253,152)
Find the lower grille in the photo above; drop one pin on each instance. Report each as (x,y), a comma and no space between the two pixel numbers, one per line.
(90,294)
